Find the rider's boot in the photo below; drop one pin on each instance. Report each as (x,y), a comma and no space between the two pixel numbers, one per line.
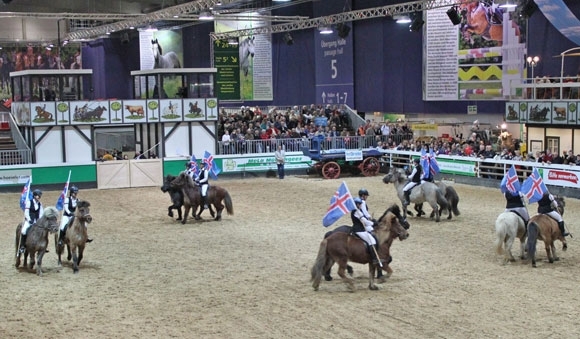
(22,243)
(61,236)
(562,229)
(407,197)
(205,202)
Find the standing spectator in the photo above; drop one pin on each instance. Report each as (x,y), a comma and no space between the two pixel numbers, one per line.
(280,155)
(226,139)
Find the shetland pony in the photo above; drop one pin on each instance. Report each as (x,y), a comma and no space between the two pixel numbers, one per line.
(76,235)
(342,247)
(508,227)
(543,227)
(37,239)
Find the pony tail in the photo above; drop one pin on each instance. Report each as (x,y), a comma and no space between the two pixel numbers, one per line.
(441,200)
(229,204)
(319,265)
(500,236)
(532,239)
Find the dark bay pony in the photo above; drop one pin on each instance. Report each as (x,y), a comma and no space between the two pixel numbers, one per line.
(76,235)
(342,247)
(176,195)
(426,192)
(543,227)
(37,239)
(192,197)
(347,229)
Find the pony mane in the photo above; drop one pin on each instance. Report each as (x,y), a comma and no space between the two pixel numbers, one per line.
(83,204)
(395,209)
(50,212)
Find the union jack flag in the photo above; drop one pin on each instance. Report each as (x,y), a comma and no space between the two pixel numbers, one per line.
(26,194)
(341,203)
(211,165)
(510,181)
(534,187)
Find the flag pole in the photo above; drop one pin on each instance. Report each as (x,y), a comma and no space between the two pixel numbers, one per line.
(65,193)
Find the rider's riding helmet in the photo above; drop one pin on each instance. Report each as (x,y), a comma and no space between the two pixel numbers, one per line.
(37,193)
(362,192)
(357,201)
(74,189)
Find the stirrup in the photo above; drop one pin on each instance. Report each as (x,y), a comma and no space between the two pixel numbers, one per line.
(21,250)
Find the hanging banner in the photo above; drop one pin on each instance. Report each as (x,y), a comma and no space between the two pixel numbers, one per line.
(476,59)
(254,57)
(561,17)
(226,60)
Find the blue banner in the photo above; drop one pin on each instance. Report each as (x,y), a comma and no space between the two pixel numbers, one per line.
(561,18)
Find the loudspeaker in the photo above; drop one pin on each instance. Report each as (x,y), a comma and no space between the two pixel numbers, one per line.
(288,39)
(124,38)
(454,16)
(528,8)
(343,30)
(417,22)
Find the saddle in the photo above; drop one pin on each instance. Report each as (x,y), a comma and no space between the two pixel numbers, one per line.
(519,215)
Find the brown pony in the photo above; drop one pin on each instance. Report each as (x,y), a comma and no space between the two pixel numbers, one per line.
(341,248)
(543,227)
(76,235)
(192,197)
(37,239)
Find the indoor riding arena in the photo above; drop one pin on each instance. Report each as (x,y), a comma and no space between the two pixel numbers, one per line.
(247,276)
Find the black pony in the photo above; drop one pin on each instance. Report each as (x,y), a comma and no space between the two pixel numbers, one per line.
(347,229)
(176,195)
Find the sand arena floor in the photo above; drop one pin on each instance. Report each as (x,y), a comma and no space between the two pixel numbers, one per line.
(146,276)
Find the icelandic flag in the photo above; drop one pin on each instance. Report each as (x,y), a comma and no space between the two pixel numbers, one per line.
(62,197)
(534,187)
(510,181)
(26,194)
(424,163)
(193,168)
(341,203)
(433,165)
(212,166)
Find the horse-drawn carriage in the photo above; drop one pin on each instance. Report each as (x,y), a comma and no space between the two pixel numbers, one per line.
(338,157)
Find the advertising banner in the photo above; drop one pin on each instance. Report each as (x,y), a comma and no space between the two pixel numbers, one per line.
(560,177)
(232,165)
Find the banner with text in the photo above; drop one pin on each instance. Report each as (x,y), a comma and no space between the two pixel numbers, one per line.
(334,68)
(254,58)
(476,59)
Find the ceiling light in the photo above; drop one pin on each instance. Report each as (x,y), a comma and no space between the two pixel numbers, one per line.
(288,39)
(417,22)
(453,15)
(508,4)
(325,30)
(205,16)
(232,41)
(402,19)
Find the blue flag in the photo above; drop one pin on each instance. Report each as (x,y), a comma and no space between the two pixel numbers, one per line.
(60,202)
(211,165)
(341,203)
(26,194)
(510,181)
(193,168)
(433,164)
(534,187)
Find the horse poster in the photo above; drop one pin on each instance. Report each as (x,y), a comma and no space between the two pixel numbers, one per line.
(43,113)
(476,59)
(254,56)
(89,112)
(194,109)
(170,110)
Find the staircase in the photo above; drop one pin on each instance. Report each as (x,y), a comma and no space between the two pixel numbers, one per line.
(9,153)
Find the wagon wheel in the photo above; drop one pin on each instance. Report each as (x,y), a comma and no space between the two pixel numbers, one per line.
(331,170)
(370,167)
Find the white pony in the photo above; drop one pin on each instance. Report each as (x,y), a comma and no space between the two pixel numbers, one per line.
(508,226)
(169,60)
(247,50)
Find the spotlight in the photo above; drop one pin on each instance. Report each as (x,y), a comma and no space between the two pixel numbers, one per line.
(233,41)
(288,39)
(343,30)
(325,30)
(528,8)
(417,22)
(454,15)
